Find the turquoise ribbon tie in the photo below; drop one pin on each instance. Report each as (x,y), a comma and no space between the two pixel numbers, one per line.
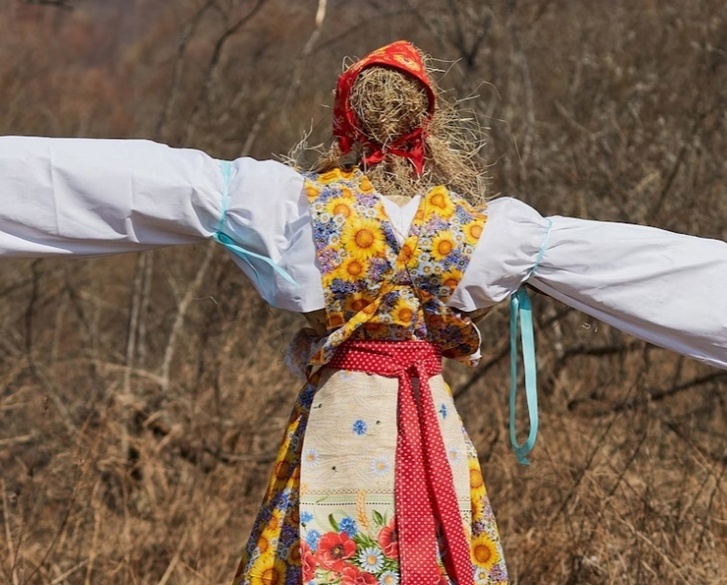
(222,238)
(521,313)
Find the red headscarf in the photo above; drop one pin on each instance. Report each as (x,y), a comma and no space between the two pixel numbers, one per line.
(402,56)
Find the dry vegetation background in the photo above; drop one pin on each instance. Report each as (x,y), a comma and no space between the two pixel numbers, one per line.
(142,397)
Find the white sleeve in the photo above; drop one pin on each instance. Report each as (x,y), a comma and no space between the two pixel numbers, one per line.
(505,255)
(666,288)
(268,214)
(93,197)
(90,197)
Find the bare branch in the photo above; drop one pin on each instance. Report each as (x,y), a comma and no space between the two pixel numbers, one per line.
(222,40)
(304,54)
(182,312)
(184,39)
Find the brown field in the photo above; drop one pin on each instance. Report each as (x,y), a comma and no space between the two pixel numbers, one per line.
(142,397)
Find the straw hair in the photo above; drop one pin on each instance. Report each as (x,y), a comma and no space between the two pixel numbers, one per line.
(389,104)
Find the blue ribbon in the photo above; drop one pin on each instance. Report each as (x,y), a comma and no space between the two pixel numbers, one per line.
(521,312)
(222,238)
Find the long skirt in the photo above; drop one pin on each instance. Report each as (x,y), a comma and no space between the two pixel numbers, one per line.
(329,513)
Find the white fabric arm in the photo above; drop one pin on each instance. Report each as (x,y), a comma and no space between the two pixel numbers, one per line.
(94,197)
(667,288)
(507,252)
(89,197)
(268,213)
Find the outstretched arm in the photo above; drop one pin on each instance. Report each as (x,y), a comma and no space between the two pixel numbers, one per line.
(98,197)
(666,288)
(95,197)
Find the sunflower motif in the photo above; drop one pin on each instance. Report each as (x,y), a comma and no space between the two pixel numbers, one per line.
(404,313)
(476,481)
(311,190)
(472,232)
(442,245)
(365,185)
(334,321)
(268,570)
(282,469)
(363,239)
(294,555)
(274,524)
(352,269)
(330,177)
(478,508)
(409,251)
(339,206)
(263,543)
(485,553)
(442,203)
(451,278)
(376,330)
(358,302)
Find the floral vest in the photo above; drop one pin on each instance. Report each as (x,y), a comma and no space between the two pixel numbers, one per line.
(375,287)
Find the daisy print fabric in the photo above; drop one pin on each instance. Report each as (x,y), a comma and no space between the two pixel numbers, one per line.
(357,551)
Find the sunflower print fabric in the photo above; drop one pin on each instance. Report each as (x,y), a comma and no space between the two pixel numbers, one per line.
(329,517)
(376,288)
(272,554)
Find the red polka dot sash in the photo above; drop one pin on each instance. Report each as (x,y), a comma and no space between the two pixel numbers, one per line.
(423,485)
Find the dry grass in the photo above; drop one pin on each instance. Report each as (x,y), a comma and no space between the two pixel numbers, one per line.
(142,398)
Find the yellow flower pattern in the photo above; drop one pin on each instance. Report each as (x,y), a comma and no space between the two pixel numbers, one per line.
(443,204)
(374,288)
(443,245)
(269,571)
(272,554)
(338,206)
(363,239)
(485,553)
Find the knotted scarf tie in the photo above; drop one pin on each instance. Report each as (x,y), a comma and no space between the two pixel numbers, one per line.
(423,487)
